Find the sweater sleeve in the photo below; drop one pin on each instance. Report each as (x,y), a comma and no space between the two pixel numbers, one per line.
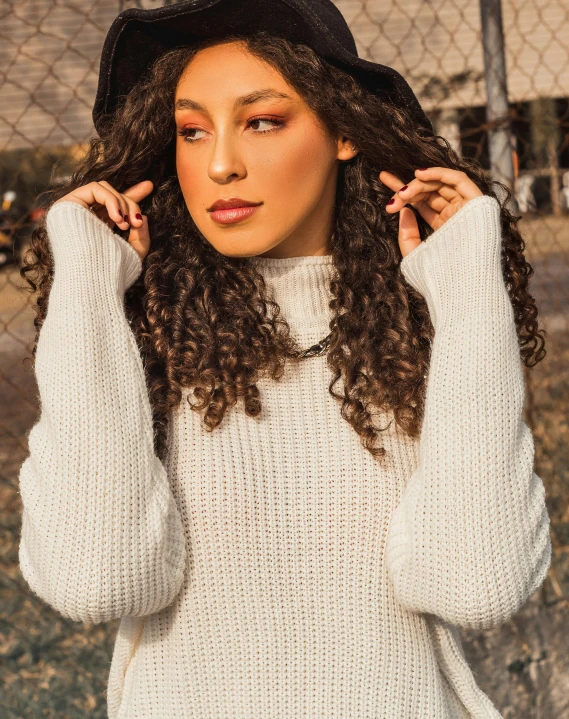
(101,534)
(469,540)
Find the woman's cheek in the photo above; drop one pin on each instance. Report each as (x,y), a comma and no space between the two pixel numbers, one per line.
(296,167)
(183,166)
(189,183)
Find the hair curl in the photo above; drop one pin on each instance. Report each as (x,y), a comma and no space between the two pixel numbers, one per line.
(203,320)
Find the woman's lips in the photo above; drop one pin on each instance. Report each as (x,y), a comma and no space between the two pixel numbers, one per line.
(236,214)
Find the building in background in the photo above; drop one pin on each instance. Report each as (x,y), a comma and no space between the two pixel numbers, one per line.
(49,54)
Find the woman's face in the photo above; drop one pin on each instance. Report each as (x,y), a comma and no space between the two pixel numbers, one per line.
(269,149)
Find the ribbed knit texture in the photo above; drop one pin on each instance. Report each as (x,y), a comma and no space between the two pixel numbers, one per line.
(272,569)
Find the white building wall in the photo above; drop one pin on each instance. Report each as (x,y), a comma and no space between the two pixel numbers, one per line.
(49,56)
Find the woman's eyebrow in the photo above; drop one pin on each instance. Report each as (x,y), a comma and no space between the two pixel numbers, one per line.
(186,103)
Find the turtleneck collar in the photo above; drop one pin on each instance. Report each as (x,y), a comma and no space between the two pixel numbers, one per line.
(301,287)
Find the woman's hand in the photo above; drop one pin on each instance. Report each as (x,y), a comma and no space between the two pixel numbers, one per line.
(115,208)
(436,193)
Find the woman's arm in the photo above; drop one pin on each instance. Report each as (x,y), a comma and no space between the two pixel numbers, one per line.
(470,539)
(101,534)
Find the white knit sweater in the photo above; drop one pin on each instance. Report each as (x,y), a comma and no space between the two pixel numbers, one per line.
(272,569)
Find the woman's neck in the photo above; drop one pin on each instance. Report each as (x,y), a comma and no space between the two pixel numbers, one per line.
(301,287)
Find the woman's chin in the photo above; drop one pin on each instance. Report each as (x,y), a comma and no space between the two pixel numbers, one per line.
(247,247)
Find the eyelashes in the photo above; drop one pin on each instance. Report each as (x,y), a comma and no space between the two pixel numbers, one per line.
(278,124)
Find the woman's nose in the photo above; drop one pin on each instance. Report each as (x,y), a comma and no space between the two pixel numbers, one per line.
(226,163)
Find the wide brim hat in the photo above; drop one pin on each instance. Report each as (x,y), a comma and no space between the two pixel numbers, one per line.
(137,37)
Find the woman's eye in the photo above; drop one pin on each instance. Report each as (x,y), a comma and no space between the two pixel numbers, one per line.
(185,133)
(188,137)
(266,119)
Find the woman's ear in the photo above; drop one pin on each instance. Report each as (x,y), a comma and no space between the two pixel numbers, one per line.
(346,149)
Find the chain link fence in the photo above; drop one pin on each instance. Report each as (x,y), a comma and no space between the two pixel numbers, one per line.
(49,56)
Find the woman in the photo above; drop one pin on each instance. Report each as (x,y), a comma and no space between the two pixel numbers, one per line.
(281,547)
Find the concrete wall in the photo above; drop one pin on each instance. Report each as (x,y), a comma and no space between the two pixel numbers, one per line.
(49,56)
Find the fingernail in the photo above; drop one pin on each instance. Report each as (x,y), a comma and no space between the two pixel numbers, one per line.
(391,201)
(422,168)
(125,218)
(138,216)
(402,188)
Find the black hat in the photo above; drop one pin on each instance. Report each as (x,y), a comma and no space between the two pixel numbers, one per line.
(138,37)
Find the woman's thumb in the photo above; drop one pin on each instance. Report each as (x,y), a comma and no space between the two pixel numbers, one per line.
(139,238)
(409,236)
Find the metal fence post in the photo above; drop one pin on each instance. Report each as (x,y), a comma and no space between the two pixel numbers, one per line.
(497,109)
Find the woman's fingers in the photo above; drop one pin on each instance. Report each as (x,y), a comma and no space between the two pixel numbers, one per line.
(391,180)
(115,208)
(409,236)
(430,211)
(139,191)
(434,195)
(95,193)
(133,196)
(417,193)
(395,184)
(436,186)
(129,200)
(133,212)
(435,192)
(130,209)
(424,196)
(124,224)
(101,193)
(418,190)
(103,214)
(457,179)
(139,238)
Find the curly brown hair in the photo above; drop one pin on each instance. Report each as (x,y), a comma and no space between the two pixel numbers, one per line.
(204,320)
